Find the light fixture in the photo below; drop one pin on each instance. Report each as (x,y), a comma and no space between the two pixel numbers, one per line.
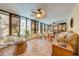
(39,13)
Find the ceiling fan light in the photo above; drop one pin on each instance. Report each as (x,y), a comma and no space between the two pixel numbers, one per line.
(38,15)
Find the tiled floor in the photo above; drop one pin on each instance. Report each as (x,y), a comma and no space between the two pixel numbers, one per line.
(36,47)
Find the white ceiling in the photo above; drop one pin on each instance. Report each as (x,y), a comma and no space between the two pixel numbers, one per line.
(55,12)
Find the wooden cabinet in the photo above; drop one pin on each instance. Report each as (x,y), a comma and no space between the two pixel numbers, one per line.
(60,51)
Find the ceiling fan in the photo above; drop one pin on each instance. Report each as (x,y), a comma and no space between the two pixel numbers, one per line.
(39,13)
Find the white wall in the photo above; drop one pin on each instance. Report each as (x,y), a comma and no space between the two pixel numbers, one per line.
(75,16)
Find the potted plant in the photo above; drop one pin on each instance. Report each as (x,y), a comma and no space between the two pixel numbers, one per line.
(18,35)
(26,33)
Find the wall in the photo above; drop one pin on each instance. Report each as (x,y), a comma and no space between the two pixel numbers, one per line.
(75,16)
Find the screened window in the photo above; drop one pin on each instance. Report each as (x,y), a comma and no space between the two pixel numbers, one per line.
(15,22)
(44,27)
(33,26)
(29,25)
(4,24)
(37,27)
(41,28)
(23,25)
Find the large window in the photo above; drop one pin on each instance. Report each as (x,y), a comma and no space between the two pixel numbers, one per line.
(37,27)
(15,25)
(34,26)
(44,28)
(29,25)
(12,24)
(49,28)
(23,25)
(4,24)
(41,28)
